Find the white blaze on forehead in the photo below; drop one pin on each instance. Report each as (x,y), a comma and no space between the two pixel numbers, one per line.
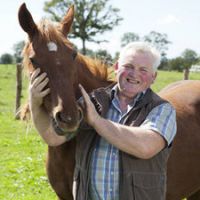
(52,46)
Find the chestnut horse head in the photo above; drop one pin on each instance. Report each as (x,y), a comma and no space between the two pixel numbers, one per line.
(49,49)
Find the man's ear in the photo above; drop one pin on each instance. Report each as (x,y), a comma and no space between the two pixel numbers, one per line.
(116,66)
(154,76)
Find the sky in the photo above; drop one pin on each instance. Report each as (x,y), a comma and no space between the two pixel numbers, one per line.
(179,19)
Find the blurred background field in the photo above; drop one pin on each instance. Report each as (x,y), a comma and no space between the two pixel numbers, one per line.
(22,152)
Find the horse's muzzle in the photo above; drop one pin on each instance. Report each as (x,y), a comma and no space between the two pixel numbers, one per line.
(65,124)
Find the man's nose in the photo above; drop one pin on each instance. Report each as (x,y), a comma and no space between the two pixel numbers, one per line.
(133,72)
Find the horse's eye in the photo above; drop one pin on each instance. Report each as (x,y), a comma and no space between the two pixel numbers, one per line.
(33,62)
(31,59)
(74,54)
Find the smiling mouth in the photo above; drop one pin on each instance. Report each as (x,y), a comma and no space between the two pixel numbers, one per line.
(132,81)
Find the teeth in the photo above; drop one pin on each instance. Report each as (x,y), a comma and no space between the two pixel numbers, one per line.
(132,81)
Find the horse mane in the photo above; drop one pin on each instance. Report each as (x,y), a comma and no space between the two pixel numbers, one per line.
(98,68)
(50,31)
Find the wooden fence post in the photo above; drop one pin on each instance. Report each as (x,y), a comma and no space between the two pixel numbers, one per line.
(186,74)
(18,90)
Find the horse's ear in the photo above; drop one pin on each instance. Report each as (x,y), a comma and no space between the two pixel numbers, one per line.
(67,21)
(26,21)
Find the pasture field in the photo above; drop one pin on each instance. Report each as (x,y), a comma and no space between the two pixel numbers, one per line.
(22,152)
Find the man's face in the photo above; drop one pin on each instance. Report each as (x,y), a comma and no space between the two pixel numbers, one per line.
(135,74)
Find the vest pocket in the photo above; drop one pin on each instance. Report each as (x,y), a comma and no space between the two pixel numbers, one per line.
(149,186)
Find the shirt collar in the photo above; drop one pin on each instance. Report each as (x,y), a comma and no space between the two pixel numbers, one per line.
(136,99)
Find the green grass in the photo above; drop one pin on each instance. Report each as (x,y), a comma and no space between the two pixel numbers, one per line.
(22,152)
(164,78)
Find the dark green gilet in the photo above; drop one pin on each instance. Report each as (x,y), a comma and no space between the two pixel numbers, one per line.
(140,179)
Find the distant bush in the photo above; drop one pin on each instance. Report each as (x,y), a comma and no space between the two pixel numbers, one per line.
(6,58)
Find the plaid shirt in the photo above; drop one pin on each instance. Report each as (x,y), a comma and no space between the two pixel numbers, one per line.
(104,171)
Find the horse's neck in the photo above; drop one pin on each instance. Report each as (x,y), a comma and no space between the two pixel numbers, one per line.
(90,80)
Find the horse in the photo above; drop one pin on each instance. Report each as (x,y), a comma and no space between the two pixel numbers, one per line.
(183,167)
(49,49)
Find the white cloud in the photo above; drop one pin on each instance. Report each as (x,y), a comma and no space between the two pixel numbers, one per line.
(169,19)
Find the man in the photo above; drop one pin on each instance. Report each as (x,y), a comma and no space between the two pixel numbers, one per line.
(123,148)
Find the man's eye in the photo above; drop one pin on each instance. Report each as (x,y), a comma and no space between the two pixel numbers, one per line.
(144,70)
(128,67)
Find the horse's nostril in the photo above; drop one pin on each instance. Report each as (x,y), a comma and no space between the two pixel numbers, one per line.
(80,114)
(68,118)
(60,118)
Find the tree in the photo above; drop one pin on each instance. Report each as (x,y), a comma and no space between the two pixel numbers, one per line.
(88,52)
(105,56)
(129,37)
(116,56)
(92,17)
(159,41)
(6,58)
(164,65)
(176,64)
(190,57)
(100,54)
(18,47)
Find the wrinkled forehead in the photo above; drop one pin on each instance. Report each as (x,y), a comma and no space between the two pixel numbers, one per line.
(140,58)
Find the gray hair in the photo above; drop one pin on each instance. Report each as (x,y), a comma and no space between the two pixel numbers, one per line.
(143,47)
